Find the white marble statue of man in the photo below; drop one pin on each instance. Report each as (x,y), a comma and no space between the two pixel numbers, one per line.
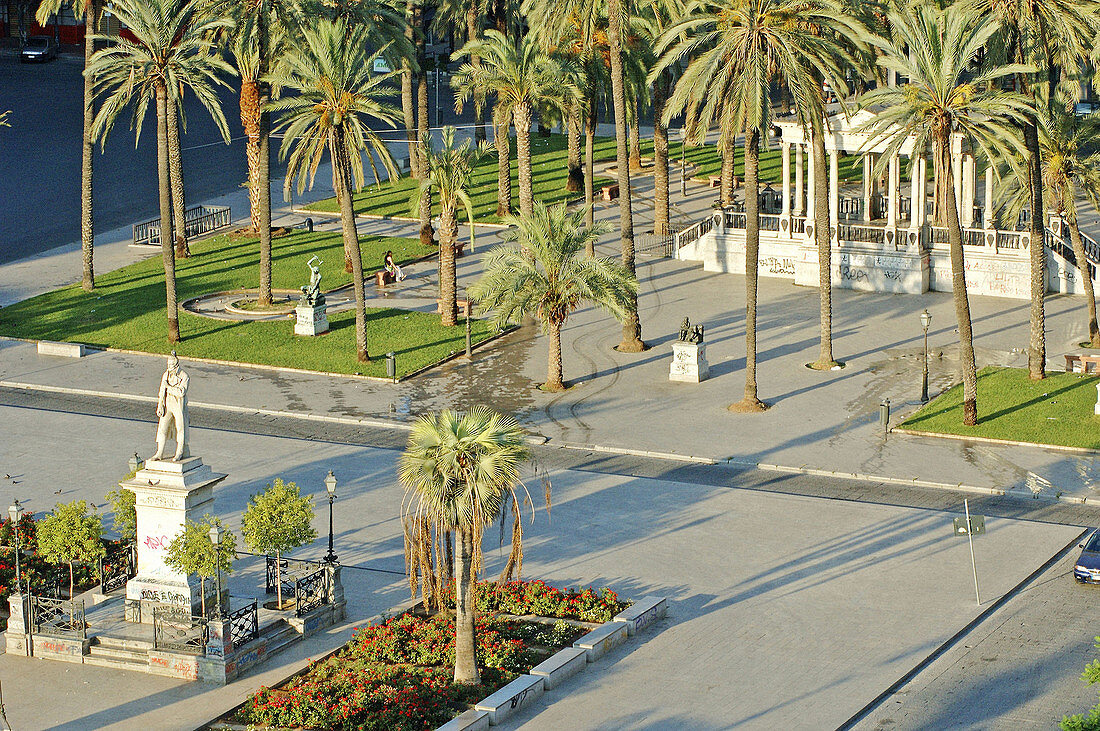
(172,410)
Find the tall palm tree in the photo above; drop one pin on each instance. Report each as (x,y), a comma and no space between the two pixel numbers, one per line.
(1052,37)
(523,77)
(936,51)
(550,276)
(739,48)
(460,472)
(423,144)
(465,19)
(1070,164)
(175,174)
(92,12)
(409,71)
(450,170)
(336,97)
(172,49)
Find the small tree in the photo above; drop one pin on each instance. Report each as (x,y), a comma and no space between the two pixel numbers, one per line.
(69,534)
(123,504)
(277,520)
(193,552)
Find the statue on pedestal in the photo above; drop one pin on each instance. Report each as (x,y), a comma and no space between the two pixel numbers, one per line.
(690,334)
(311,293)
(172,410)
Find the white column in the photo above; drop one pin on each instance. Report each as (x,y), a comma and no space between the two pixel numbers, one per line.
(987,213)
(957,173)
(892,192)
(967,215)
(786,179)
(834,187)
(916,195)
(868,186)
(811,191)
(799,189)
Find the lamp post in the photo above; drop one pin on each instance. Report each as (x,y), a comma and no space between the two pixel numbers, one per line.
(216,539)
(330,487)
(925,321)
(15,512)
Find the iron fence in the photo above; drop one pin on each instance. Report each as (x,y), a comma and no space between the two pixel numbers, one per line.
(58,617)
(311,592)
(176,630)
(655,245)
(290,570)
(197,220)
(244,624)
(116,568)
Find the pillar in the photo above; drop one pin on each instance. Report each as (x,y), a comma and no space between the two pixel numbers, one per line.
(799,189)
(967,214)
(811,190)
(917,194)
(785,213)
(987,213)
(893,192)
(957,174)
(834,187)
(868,186)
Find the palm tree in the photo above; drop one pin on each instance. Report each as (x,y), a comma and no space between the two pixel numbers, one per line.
(523,77)
(945,96)
(336,96)
(423,145)
(460,472)
(450,170)
(549,277)
(465,18)
(1070,163)
(92,12)
(173,49)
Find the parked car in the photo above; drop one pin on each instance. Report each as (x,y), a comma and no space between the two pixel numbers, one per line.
(1087,568)
(1084,109)
(39,48)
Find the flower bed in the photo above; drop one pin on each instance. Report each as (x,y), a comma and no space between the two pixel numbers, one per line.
(398,675)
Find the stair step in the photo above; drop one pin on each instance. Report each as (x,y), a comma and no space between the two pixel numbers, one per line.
(119,643)
(119,653)
(118,663)
(282,644)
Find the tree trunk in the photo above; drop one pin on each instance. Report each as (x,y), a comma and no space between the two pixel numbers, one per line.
(553,363)
(1037,350)
(168,254)
(259,177)
(1083,265)
(175,177)
(660,157)
(264,184)
(408,107)
(589,191)
(337,151)
(635,139)
(521,118)
(427,235)
(942,152)
(448,278)
(632,328)
(823,237)
(466,672)
(472,34)
(504,162)
(575,180)
(728,145)
(87,237)
(752,261)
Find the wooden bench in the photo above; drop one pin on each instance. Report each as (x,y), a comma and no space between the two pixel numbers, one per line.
(1082,363)
(382,278)
(609,192)
(713,181)
(463,307)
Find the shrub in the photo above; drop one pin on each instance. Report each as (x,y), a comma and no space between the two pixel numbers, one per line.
(538,597)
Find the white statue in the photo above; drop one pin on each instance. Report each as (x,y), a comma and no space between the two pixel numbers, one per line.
(172,410)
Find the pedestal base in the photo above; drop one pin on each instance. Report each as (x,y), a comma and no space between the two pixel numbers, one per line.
(689,363)
(311,319)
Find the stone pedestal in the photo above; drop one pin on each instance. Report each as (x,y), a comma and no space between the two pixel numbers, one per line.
(16,638)
(689,362)
(168,494)
(311,319)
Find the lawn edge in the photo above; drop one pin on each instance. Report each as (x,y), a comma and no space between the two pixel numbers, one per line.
(993,440)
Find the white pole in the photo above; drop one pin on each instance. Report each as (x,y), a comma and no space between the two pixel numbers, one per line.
(970,538)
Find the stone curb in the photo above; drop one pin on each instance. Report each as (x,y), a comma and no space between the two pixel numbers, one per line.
(377,217)
(991,440)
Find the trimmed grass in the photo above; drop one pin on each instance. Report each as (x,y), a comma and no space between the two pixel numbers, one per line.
(1057,410)
(127,309)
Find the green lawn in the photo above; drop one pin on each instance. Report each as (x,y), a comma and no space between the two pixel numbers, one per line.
(127,309)
(1057,410)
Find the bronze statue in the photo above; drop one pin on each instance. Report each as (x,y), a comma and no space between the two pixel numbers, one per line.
(311,293)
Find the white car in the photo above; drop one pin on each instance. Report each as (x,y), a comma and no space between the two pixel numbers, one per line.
(38,48)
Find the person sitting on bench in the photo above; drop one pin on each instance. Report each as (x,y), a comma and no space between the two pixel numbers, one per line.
(391,268)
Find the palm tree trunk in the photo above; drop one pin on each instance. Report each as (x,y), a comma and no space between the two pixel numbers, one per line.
(942,151)
(635,139)
(553,363)
(504,162)
(337,153)
(472,34)
(728,144)
(1083,265)
(751,402)
(263,182)
(175,176)
(1037,350)
(589,153)
(823,237)
(250,120)
(408,108)
(427,235)
(575,180)
(632,328)
(466,672)
(87,237)
(660,157)
(448,278)
(521,118)
(168,254)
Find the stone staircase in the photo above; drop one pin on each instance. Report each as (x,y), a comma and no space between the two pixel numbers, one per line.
(279,635)
(119,653)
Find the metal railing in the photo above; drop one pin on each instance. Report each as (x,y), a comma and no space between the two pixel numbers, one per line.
(1063,245)
(290,570)
(693,233)
(116,568)
(860,234)
(244,624)
(174,629)
(311,592)
(58,617)
(655,245)
(197,220)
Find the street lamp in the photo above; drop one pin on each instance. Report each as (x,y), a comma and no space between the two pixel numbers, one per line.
(216,539)
(15,512)
(330,487)
(925,321)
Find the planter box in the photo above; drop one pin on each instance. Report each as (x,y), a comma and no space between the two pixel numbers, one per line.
(470,720)
(642,613)
(563,664)
(520,693)
(599,642)
(65,350)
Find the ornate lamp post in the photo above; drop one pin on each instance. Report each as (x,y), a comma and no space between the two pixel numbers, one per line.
(925,321)
(216,539)
(330,487)
(15,512)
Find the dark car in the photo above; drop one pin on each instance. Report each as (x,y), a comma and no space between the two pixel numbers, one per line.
(1087,568)
(40,48)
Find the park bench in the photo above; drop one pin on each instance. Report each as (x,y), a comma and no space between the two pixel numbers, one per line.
(1082,363)
(463,307)
(714,181)
(609,192)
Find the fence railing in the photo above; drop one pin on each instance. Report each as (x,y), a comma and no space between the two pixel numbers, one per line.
(176,630)
(58,617)
(1064,246)
(861,234)
(693,233)
(798,225)
(311,591)
(244,624)
(655,245)
(197,220)
(116,568)
(290,570)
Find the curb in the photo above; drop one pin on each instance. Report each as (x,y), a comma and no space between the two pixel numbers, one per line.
(991,440)
(378,217)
